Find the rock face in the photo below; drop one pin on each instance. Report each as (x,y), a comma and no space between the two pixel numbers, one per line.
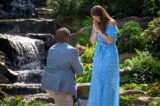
(28,26)
(12,9)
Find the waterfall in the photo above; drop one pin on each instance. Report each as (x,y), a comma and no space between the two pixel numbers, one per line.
(26,52)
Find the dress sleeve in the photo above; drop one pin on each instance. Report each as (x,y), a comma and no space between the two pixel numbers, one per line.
(93,30)
(112,30)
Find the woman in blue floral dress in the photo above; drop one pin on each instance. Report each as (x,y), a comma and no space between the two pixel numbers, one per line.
(104,89)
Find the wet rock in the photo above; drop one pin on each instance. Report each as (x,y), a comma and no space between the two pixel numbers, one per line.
(16,9)
(21,89)
(15,26)
(7,75)
(43,13)
(2,94)
(49,39)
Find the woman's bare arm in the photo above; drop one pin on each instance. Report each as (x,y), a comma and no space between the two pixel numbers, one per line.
(93,38)
(107,39)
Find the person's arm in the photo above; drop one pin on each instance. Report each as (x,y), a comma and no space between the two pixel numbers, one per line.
(107,39)
(76,62)
(93,38)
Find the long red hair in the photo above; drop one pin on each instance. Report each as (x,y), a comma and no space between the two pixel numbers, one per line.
(102,13)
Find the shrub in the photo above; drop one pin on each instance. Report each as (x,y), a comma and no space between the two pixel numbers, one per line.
(86,75)
(129,38)
(150,7)
(134,86)
(84,36)
(154,91)
(130,99)
(87,22)
(84,39)
(151,37)
(39,103)
(143,69)
(155,103)
(19,102)
(87,57)
(13,102)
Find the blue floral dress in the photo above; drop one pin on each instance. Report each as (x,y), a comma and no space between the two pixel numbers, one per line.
(104,88)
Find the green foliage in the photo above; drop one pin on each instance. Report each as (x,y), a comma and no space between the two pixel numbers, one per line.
(151,37)
(154,103)
(130,99)
(19,102)
(62,7)
(118,8)
(87,57)
(154,91)
(134,86)
(86,75)
(84,39)
(87,22)
(84,36)
(143,69)
(150,7)
(39,103)
(13,102)
(129,38)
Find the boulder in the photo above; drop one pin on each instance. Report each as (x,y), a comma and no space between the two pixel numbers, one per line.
(123,57)
(131,92)
(83,90)
(142,21)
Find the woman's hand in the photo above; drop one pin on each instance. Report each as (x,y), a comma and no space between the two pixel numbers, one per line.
(96,26)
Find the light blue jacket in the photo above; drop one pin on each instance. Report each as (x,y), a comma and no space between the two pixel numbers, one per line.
(63,63)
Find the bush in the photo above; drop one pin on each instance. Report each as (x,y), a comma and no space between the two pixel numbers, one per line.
(155,103)
(150,7)
(89,54)
(38,103)
(130,38)
(84,39)
(84,36)
(86,75)
(87,22)
(130,99)
(19,102)
(154,91)
(13,102)
(134,86)
(151,37)
(143,69)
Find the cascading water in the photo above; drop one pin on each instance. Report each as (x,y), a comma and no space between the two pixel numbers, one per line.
(27,58)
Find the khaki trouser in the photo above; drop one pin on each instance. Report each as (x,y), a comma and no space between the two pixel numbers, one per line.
(61,98)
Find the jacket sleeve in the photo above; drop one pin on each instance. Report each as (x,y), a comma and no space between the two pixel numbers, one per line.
(76,62)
